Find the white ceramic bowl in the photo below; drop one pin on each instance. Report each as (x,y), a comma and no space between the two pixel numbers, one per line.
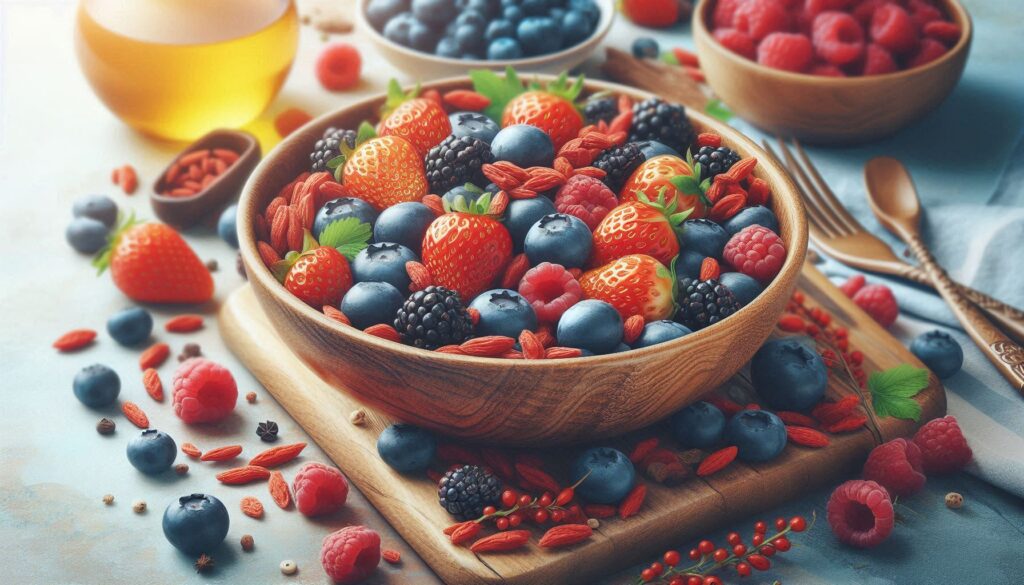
(426,66)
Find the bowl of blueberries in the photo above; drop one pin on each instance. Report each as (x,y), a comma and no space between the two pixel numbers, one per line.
(442,38)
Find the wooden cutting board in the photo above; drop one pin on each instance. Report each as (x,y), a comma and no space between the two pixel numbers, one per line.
(670,515)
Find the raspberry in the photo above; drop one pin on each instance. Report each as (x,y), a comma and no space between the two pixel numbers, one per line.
(878,60)
(860,513)
(852,285)
(893,28)
(736,41)
(786,51)
(838,37)
(877,300)
(551,290)
(351,554)
(943,446)
(922,13)
(756,251)
(929,50)
(587,198)
(725,13)
(203,391)
(866,9)
(827,70)
(319,489)
(759,18)
(815,7)
(896,465)
(940,30)
(337,67)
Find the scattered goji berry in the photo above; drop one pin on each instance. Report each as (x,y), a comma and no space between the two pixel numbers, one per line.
(251,507)
(154,356)
(279,490)
(184,324)
(717,461)
(565,535)
(630,505)
(277,455)
(135,415)
(74,339)
(221,453)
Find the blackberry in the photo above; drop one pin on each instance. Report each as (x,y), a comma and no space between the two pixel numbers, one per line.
(433,317)
(465,491)
(457,161)
(600,109)
(715,161)
(329,147)
(656,119)
(704,302)
(619,163)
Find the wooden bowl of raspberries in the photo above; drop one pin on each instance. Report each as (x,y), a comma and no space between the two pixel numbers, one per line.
(832,71)
(480,310)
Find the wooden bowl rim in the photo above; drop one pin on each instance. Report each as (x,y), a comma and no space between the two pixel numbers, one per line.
(796,248)
(957,12)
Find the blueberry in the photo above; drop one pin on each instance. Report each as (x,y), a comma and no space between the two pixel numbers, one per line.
(940,352)
(472,57)
(646,48)
(405,224)
(657,332)
(423,37)
(379,12)
(371,303)
(611,475)
(535,7)
(556,13)
(152,451)
(698,426)
(559,238)
(397,29)
(447,47)
(98,207)
(653,148)
(499,28)
(96,385)
(383,262)
(503,312)
(341,208)
(592,325)
(227,225)
(474,125)
(743,287)
(471,16)
(688,264)
(621,347)
(407,449)
(524,145)
(489,8)
(788,375)
(588,8)
(755,215)
(131,326)
(759,435)
(435,12)
(86,235)
(521,214)
(503,49)
(539,35)
(512,13)
(196,523)
(703,236)
(470,38)
(576,27)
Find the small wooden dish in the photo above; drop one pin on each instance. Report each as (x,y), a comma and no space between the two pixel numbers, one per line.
(829,110)
(186,211)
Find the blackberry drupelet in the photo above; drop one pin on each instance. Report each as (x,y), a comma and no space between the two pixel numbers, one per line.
(619,162)
(465,491)
(656,119)
(600,109)
(433,317)
(704,302)
(457,161)
(715,161)
(329,147)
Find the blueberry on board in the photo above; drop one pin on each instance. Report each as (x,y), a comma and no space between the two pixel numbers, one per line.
(447,47)
(383,262)
(98,207)
(371,303)
(523,145)
(96,385)
(611,475)
(397,29)
(939,351)
(703,236)
(86,235)
(379,12)
(151,451)
(499,28)
(503,312)
(512,13)
(489,8)
(503,49)
(559,238)
(474,125)
(196,523)
(227,225)
(788,375)
(423,37)
(576,27)
(539,35)
(535,7)
(521,214)
(653,148)
(646,48)
(436,12)
(743,287)
(698,426)
(759,435)
(592,325)
(130,326)
(405,224)
(754,215)
(688,264)
(407,449)
(341,208)
(657,332)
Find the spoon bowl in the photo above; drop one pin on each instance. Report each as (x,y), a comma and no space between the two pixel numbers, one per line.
(892,195)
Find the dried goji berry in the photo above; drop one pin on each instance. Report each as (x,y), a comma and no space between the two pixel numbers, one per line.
(135,415)
(717,461)
(251,507)
(501,541)
(630,505)
(221,453)
(806,437)
(184,324)
(151,382)
(487,346)
(279,490)
(565,535)
(154,356)
(277,455)
(74,339)
(243,475)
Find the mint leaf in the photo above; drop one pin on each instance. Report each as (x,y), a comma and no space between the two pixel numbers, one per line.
(716,109)
(893,391)
(348,235)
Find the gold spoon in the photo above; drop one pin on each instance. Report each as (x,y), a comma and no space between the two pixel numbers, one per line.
(893,198)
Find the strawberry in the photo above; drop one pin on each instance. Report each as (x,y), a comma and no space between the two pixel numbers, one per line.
(152,263)
(676,176)
(653,13)
(421,121)
(465,249)
(320,275)
(639,227)
(635,285)
(551,108)
(382,171)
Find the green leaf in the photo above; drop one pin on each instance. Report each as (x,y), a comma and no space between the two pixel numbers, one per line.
(336,162)
(348,235)
(669,58)
(687,184)
(366,132)
(500,90)
(716,109)
(893,391)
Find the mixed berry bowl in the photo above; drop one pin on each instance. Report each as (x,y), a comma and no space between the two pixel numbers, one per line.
(584,336)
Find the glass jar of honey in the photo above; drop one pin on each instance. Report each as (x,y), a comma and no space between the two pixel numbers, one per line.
(177,69)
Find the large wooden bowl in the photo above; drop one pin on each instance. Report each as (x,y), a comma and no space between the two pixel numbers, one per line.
(517,402)
(829,110)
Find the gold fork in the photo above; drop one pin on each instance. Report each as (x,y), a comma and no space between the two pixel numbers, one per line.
(841,236)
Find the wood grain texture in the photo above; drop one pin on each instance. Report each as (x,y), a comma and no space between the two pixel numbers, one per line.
(669,517)
(518,402)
